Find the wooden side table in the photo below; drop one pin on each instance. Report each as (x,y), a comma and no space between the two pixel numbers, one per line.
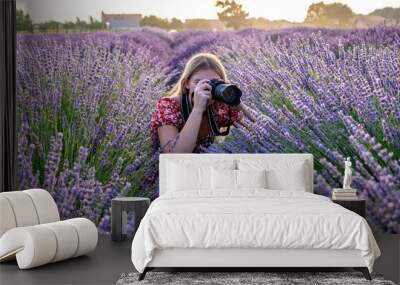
(119,208)
(357,206)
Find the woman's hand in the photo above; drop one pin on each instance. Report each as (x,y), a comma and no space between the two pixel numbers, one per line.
(202,95)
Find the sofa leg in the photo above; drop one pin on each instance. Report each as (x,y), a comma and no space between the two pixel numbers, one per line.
(364,271)
(143,274)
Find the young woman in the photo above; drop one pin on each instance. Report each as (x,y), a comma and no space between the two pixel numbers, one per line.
(168,130)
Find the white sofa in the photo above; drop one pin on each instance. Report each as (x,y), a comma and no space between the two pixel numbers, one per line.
(31,231)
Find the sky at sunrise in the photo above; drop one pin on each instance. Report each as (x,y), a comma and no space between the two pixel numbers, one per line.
(292,10)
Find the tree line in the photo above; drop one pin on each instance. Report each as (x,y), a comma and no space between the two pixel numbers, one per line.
(335,15)
(24,24)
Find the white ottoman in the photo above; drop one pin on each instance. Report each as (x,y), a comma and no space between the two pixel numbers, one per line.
(31,230)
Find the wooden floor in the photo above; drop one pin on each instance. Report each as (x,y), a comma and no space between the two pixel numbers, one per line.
(111,259)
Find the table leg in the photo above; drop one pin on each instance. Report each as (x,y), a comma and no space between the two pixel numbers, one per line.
(116,221)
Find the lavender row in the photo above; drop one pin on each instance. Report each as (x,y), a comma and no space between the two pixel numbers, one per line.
(84,103)
(308,98)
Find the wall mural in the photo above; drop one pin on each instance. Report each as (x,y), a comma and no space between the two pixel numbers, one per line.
(85,102)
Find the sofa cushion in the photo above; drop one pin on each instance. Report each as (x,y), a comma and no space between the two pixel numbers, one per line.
(26,208)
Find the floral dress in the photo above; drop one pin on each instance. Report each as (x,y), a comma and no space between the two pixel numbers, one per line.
(168,112)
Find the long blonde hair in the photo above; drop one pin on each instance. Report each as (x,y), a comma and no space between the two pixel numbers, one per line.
(200,61)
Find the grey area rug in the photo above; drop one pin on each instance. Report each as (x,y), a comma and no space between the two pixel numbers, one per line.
(273,278)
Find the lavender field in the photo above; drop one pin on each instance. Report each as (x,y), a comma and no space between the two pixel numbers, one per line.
(85,100)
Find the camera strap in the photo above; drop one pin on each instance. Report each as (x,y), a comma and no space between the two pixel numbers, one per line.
(213,124)
(186,110)
(185,107)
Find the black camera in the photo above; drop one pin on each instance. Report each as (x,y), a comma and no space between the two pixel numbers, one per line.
(228,93)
